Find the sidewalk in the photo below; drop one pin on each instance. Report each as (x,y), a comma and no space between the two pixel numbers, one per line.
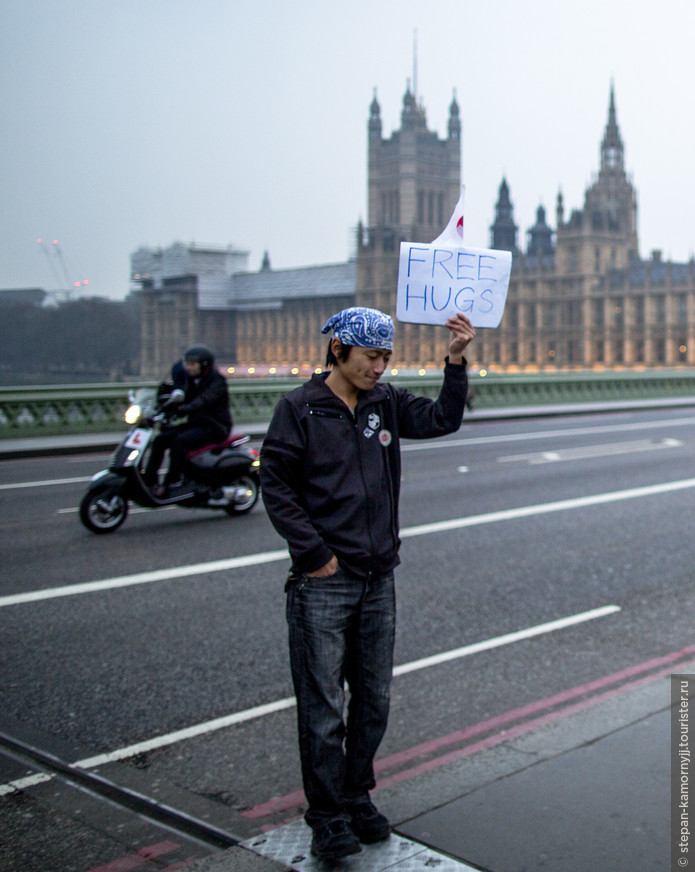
(43,446)
(584,791)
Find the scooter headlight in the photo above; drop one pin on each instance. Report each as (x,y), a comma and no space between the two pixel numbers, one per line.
(133,413)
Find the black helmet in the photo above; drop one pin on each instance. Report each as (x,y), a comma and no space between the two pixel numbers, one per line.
(201,355)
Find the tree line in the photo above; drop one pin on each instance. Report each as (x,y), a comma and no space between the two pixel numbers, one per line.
(84,340)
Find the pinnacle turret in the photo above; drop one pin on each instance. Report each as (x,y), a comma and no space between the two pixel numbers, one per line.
(454,119)
(375,118)
(504,229)
(612,151)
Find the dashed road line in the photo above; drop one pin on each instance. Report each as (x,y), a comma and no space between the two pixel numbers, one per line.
(406,533)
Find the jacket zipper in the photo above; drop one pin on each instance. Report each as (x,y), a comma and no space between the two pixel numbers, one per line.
(355,430)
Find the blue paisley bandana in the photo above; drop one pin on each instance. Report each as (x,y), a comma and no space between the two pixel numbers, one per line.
(366,328)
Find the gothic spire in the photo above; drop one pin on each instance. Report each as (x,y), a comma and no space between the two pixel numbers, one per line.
(375,118)
(540,236)
(612,151)
(504,229)
(454,119)
(413,115)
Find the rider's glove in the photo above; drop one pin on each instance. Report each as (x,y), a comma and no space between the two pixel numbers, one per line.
(176,398)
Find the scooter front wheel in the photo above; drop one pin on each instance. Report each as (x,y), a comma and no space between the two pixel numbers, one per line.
(245,496)
(103,510)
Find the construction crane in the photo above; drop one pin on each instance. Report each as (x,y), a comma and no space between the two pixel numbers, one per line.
(59,267)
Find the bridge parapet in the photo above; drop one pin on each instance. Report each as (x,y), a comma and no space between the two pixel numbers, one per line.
(36,411)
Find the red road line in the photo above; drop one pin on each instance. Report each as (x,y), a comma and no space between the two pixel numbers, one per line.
(518,730)
(532,708)
(132,861)
(278,803)
(292,800)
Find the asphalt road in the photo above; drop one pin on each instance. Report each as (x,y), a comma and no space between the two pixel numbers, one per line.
(506,526)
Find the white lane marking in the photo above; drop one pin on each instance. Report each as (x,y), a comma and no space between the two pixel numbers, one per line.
(259,711)
(545,508)
(508,639)
(144,577)
(191,732)
(134,511)
(407,533)
(23,783)
(587,452)
(90,458)
(47,483)
(428,445)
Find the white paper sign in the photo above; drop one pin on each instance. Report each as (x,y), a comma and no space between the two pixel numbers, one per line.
(439,279)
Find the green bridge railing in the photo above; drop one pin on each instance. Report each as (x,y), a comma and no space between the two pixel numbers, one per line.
(36,411)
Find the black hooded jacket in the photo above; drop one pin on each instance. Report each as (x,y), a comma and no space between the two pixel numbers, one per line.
(207,403)
(331,478)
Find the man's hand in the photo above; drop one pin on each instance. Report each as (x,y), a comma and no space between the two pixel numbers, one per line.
(462,333)
(327,569)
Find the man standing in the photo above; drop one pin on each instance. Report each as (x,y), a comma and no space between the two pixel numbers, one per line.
(330,476)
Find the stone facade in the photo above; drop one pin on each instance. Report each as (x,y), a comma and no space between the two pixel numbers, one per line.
(586,299)
(579,295)
(263,319)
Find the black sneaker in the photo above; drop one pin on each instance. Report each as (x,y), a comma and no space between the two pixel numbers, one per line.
(333,840)
(367,822)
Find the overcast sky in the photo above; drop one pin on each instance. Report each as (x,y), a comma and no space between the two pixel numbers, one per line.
(144,122)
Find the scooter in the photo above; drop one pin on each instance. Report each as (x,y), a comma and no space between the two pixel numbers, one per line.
(223,476)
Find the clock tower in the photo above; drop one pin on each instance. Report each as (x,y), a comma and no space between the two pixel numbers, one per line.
(604,233)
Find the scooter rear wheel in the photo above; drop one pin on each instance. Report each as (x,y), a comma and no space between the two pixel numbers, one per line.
(103,510)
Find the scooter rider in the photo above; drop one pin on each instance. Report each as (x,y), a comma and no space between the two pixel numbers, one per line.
(203,397)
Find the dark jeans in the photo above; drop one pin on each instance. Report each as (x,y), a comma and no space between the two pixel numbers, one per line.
(341,628)
(179,441)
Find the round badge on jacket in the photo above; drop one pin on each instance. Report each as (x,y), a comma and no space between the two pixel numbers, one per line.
(385,438)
